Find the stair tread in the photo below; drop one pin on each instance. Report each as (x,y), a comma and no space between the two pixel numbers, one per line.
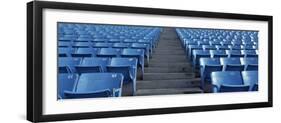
(168,91)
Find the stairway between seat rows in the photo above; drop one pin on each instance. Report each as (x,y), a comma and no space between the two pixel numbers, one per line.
(168,71)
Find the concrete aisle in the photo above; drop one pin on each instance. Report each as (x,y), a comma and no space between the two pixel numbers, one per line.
(169,71)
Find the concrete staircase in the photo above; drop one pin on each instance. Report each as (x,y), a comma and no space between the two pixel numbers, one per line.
(169,71)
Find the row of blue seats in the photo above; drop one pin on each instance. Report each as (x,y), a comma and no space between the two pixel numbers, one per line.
(147,49)
(188,34)
(108,33)
(224,46)
(126,66)
(89,85)
(189,48)
(103,30)
(104,43)
(234,81)
(88,53)
(197,54)
(233,51)
(105,52)
(209,65)
(218,43)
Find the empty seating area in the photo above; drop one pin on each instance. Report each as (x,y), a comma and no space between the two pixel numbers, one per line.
(96,60)
(226,60)
(99,60)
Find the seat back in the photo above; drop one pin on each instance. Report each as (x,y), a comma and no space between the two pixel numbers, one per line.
(234,53)
(85,52)
(208,69)
(91,85)
(247,61)
(225,61)
(218,53)
(226,79)
(81,45)
(102,45)
(121,45)
(124,70)
(92,65)
(250,78)
(126,66)
(109,52)
(66,64)
(66,82)
(65,52)
(197,54)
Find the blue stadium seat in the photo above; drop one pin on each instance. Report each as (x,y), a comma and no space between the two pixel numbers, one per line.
(115,40)
(228,81)
(83,39)
(219,47)
(207,66)
(215,43)
(190,49)
(251,64)
(250,53)
(65,52)
(249,47)
(209,47)
(130,41)
(102,45)
(135,53)
(142,46)
(66,64)
(218,53)
(226,43)
(109,52)
(99,40)
(232,64)
(66,82)
(85,52)
(121,45)
(65,44)
(189,42)
(81,45)
(237,43)
(234,53)
(250,78)
(235,47)
(150,43)
(92,65)
(197,54)
(202,42)
(126,66)
(95,85)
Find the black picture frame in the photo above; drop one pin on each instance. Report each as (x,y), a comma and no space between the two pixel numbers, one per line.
(35,69)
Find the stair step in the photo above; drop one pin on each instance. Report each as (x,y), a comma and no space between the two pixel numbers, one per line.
(172,56)
(167,60)
(175,69)
(169,45)
(142,92)
(176,83)
(169,48)
(169,64)
(166,76)
(169,53)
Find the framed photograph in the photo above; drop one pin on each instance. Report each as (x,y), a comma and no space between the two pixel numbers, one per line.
(89,61)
